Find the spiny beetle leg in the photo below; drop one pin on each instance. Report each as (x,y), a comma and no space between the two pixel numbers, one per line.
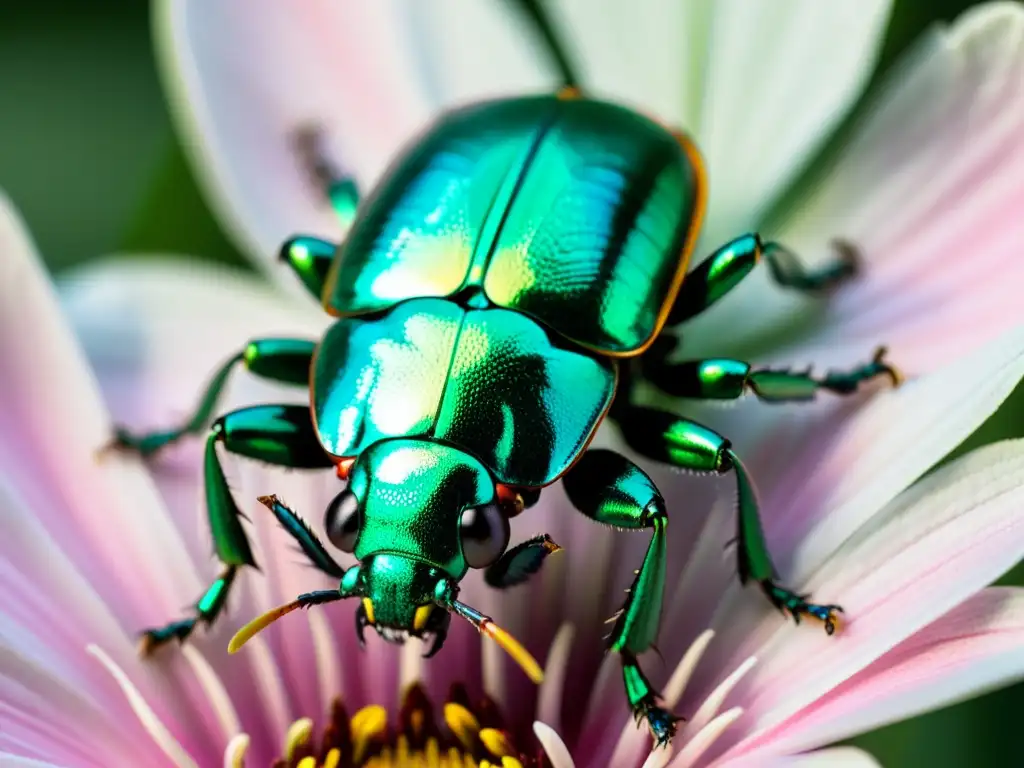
(283,360)
(276,434)
(207,609)
(788,272)
(777,386)
(796,605)
(311,257)
(723,270)
(668,438)
(728,379)
(610,489)
(644,702)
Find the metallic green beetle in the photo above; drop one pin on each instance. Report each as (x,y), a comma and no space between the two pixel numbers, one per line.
(503,290)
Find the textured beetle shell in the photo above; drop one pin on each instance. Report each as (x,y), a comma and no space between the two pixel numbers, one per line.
(578,213)
(489,381)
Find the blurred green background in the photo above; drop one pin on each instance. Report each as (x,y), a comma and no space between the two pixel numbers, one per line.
(88,155)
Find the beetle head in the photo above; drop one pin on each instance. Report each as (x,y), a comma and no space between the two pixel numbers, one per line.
(400,599)
(417,514)
(424,501)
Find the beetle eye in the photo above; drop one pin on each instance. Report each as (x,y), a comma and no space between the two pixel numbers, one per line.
(342,520)
(485,535)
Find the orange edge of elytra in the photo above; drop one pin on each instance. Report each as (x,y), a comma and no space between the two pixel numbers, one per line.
(696,222)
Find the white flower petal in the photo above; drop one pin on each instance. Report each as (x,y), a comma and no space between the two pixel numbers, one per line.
(837,757)
(472,51)
(649,55)
(928,189)
(553,745)
(243,75)
(778,78)
(8,760)
(705,738)
(213,688)
(550,698)
(759,85)
(154,332)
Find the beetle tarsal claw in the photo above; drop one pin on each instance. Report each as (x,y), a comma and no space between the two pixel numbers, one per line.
(895,375)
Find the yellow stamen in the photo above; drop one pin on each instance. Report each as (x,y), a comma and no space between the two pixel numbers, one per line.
(368,723)
(368,607)
(510,762)
(433,753)
(250,630)
(298,734)
(422,614)
(307,762)
(402,750)
(333,759)
(514,649)
(462,723)
(497,743)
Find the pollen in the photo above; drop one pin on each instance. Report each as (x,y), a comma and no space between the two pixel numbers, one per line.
(470,735)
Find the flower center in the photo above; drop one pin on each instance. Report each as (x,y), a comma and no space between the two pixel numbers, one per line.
(473,735)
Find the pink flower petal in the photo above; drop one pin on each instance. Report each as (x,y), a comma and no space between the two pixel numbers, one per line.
(155,332)
(838,757)
(105,516)
(939,543)
(973,648)
(884,445)
(89,541)
(824,480)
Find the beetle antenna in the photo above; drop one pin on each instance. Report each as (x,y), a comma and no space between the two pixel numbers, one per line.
(250,630)
(486,626)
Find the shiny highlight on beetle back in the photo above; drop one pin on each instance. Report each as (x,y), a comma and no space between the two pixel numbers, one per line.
(578,213)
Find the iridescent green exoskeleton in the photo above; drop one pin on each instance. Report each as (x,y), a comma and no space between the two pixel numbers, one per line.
(503,289)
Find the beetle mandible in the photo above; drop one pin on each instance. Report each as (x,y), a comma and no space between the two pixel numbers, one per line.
(503,290)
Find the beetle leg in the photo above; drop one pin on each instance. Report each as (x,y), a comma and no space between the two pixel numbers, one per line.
(520,562)
(207,609)
(338,188)
(727,379)
(283,360)
(669,438)
(725,269)
(610,489)
(276,434)
(310,258)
